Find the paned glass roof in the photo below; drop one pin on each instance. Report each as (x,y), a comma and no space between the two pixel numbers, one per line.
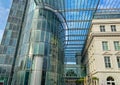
(78,15)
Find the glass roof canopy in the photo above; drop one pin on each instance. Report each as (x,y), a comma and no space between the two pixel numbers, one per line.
(78,15)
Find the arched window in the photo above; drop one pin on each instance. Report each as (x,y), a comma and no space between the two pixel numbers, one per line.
(110,81)
(71,73)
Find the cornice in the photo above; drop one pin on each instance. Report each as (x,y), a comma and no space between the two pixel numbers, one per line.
(99,34)
(106,21)
(118,53)
(106,53)
(104,34)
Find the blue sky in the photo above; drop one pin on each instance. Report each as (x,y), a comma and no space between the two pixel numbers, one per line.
(4,11)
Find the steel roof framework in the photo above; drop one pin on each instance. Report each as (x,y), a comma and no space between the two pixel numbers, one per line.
(78,15)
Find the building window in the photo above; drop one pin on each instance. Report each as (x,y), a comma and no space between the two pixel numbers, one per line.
(105,45)
(102,28)
(70,73)
(117,45)
(118,61)
(113,28)
(110,81)
(107,62)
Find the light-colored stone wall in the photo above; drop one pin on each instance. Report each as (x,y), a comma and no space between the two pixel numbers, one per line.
(103,76)
(95,55)
(107,22)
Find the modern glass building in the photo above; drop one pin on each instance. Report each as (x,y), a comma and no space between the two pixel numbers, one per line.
(43,35)
(33,44)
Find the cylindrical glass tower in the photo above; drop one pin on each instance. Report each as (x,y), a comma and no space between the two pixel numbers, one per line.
(40,58)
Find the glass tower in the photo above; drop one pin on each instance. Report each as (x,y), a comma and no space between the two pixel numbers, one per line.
(32,48)
(10,41)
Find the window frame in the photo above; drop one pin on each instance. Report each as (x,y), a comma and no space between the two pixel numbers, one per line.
(107,62)
(116,45)
(113,28)
(105,46)
(118,61)
(102,28)
(111,81)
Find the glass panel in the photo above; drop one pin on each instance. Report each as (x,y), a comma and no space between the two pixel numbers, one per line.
(42,35)
(102,28)
(118,61)
(37,35)
(117,45)
(105,45)
(107,62)
(113,28)
(42,47)
(36,48)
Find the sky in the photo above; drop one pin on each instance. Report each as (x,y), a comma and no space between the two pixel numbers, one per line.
(4,11)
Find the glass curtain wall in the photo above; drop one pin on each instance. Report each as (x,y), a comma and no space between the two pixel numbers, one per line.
(10,40)
(40,57)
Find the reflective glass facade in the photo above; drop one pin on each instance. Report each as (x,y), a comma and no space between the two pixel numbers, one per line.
(10,40)
(37,45)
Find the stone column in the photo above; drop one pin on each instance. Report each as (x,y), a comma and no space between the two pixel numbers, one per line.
(36,75)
